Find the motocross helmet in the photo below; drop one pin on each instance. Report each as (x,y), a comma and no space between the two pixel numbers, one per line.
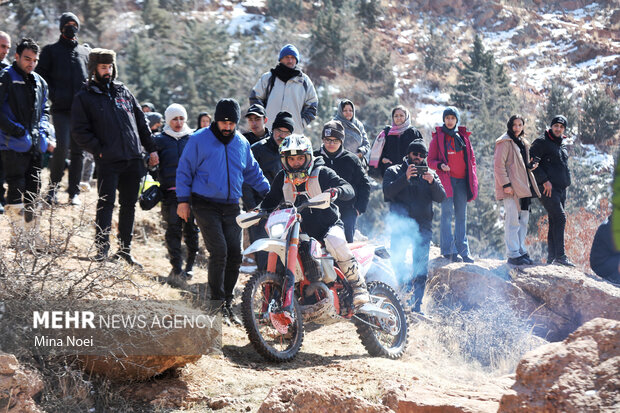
(296,145)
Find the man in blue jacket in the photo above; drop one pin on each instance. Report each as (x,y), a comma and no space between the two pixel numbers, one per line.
(25,133)
(213,167)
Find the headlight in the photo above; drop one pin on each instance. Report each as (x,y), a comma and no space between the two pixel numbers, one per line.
(276,231)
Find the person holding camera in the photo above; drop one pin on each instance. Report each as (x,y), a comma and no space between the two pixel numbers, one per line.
(515,185)
(411,188)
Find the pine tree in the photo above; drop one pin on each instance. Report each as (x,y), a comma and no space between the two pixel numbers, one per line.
(559,102)
(600,118)
(289,9)
(433,49)
(369,11)
(331,35)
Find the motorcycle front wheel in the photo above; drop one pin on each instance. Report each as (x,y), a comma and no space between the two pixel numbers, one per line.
(261,291)
(383,339)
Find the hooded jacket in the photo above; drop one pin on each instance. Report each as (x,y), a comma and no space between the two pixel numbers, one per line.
(64,65)
(553,165)
(348,167)
(24,122)
(315,222)
(297,96)
(413,198)
(509,168)
(214,171)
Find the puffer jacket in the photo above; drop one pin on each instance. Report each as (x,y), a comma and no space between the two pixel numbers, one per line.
(553,165)
(297,96)
(64,66)
(509,168)
(169,150)
(109,123)
(24,122)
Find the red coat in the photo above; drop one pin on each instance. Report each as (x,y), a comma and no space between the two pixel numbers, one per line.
(437,155)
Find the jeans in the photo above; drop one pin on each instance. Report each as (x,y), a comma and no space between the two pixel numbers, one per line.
(125,177)
(515,227)
(557,222)
(23,176)
(349,217)
(455,207)
(65,145)
(175,230)
(222,237)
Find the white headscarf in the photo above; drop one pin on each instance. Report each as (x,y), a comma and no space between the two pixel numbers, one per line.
(172,112)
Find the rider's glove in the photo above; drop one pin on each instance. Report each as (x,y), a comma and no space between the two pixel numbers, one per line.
(333,192)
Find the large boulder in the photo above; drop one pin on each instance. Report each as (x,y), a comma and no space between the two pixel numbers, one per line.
(557,300)
(17,386)
(580,374)
(133,368)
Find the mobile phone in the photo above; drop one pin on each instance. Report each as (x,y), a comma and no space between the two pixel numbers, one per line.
(421,170)
(534,160)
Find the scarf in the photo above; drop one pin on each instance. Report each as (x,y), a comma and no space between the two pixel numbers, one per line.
(285,73)
(332,155)
(459,142)
(224,139)
(520,144)
(177,135)
(351,128)
(553,138)
(377,146)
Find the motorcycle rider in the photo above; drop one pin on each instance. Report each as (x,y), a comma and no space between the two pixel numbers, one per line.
(303,174)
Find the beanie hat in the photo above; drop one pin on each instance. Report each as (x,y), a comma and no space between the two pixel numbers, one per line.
(289,50)
(173,111)
(333,129)
(153,118)
(417,146)
(101,56)
(227,110)
(148,105)
(561,119)
(451,110)
(257,110)
(67,17)
(284,120)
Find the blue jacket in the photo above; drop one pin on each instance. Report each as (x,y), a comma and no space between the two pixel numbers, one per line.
(216,172)
(23,122)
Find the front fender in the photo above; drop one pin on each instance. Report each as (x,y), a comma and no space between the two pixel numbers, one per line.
(268,244)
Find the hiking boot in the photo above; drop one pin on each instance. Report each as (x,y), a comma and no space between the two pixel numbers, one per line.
(518,261)
(126,255)
(351,272)
(527,259)
(564,261)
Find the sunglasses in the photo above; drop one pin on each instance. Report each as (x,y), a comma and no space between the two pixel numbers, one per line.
(326,140)
(419,154)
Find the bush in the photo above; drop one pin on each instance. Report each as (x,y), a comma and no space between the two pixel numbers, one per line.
(600,117)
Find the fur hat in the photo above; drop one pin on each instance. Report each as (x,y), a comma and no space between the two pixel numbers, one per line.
(101,56)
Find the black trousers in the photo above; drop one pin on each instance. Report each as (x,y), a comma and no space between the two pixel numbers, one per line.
(66,145)
(348,217)
(222,238)
(257,232)
(23,176)
(557,222)
(175,230)
(125,177)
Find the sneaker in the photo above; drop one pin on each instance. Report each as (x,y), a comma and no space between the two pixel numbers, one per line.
(126,255)
(527,259)
(518,261)
(468,259)
(75,200)
(229,317)
(563,261)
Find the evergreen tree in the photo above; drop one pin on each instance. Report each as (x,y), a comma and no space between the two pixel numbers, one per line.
(474,77)
(138,70)
(289,9)
(600,119)
(559,102)
(331,35)
(374,65)
(433,49)
(369,11)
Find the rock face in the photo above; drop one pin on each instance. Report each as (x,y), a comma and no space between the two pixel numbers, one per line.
(299,397)
(557,300)
(17,386)
(133,368)
(580,374)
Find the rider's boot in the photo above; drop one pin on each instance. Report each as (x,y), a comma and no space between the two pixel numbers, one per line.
(350,270)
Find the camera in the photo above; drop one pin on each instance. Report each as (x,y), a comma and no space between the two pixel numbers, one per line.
(533,161)
(419,170)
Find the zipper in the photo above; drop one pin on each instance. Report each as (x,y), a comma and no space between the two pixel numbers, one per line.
(227,172)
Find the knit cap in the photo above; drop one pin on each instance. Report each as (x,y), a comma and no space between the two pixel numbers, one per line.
(561,119)
(67,17)
(284,120)
(417,146)
(451,110)
(289,50)
(333,129)
(173,111)
(227,110)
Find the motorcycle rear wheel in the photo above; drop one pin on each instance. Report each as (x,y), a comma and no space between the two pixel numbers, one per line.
(375,339)
(259,292)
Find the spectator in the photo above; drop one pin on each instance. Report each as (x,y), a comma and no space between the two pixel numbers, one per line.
(268,157)
(215,163)
(452,157)
(604,257)
(355,137)
(170,144)
(553,177)
(108,122)
(147,107)
(390,146)
(287,89)
(411,194)
(5,47)
(64,66)
(256,121)
(155,120)
(348,167)
(25,134)
(515,185)
(204,120)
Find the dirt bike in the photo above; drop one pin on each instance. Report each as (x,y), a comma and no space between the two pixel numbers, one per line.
(322,294)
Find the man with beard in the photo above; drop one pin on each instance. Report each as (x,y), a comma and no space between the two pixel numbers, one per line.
(64,66)
(411,188)
(286,88)
(553,177)
(214,165)
(107,121)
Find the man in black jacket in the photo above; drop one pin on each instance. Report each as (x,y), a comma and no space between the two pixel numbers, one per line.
(256,122)
(5,46)
(348,166)
(268,157)
(106,120)
(411,188)
(553,177)
(64,66)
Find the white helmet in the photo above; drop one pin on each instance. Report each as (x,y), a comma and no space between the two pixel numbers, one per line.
(296,145)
